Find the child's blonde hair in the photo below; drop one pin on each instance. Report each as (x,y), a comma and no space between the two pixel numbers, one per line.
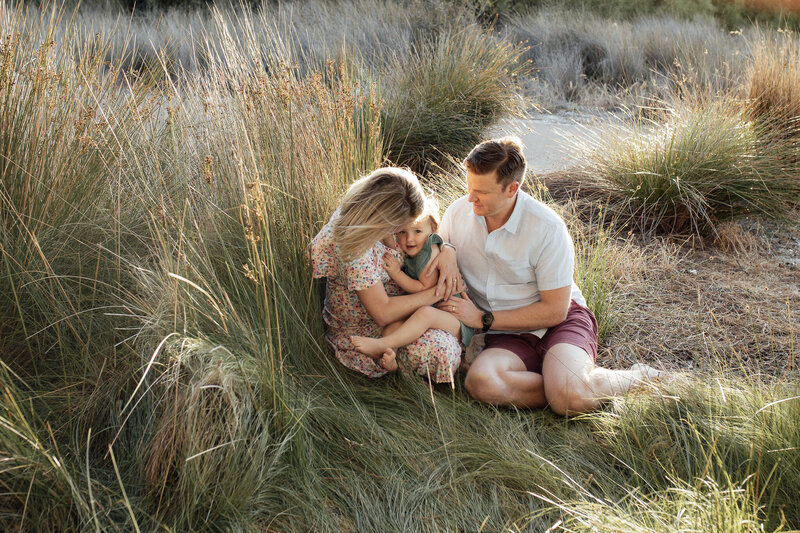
(375,206)
(430,213)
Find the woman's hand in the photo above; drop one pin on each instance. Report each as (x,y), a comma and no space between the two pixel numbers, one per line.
(464,310)
(450,281)
(391,264)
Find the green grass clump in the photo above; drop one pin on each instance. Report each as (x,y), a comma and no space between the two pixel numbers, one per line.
(440,100)
(707,163)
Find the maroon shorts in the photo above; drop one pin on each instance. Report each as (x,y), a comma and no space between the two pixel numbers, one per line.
(578,329)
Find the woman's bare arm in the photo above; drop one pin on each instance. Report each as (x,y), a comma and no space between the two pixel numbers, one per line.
(385,309)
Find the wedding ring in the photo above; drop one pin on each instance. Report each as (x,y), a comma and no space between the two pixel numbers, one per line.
(452,308)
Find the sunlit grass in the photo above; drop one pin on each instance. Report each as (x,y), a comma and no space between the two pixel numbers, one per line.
(706,164)
(164,365)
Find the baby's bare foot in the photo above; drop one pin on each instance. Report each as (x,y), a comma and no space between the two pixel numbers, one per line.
(389,360)
(368,345)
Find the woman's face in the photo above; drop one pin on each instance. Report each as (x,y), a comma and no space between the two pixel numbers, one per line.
(412,237)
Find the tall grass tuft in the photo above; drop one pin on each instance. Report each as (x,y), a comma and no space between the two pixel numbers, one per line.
(40,491)
(440,100)
(706,164)
(59,276)
(245,167)
(214,452)
(773,86)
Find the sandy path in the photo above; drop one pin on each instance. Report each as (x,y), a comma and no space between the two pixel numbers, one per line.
(550,140)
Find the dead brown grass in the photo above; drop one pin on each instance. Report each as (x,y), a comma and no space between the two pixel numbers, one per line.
(730,302)
(732,238)
(773,85)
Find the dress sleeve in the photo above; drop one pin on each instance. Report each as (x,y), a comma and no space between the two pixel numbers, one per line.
(365,271)
(323,253)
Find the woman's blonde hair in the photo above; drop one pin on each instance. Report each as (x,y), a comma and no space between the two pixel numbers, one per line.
(375,206)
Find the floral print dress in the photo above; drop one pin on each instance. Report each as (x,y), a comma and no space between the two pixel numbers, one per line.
(436,354)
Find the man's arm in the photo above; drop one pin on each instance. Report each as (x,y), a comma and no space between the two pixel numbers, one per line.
(549,312)
(450,280)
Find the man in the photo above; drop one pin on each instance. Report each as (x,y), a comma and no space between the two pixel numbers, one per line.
(517,259)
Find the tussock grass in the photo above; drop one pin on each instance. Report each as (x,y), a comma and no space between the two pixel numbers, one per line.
(442,100)
(773,86)
(705,165)
(59,273)
(182,39)
(589,60)
(733,15)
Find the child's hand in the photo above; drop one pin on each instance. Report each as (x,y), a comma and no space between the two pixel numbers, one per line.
(391,264)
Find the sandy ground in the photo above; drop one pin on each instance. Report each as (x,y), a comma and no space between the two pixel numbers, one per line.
(550,140)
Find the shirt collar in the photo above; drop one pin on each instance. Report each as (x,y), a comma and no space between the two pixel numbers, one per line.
(513,222)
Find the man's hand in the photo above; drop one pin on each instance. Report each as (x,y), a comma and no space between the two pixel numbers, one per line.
(464,310)
(391,264)
(450,281)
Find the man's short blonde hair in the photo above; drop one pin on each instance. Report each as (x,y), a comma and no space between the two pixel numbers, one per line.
(504,156)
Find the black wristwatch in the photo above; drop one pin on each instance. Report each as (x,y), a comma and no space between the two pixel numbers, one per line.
(487,319)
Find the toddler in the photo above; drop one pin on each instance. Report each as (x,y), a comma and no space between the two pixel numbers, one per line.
(420,244)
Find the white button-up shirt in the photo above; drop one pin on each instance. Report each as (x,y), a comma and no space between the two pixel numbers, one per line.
(506,269)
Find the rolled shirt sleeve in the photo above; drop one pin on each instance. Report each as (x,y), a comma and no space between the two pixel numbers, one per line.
(554,267)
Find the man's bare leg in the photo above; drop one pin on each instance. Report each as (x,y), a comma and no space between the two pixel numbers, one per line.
(499,377)
(573,384)
(422,320)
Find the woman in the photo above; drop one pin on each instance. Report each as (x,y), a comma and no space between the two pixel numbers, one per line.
(360,297)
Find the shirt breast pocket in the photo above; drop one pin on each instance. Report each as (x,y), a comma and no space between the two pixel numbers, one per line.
(515,273)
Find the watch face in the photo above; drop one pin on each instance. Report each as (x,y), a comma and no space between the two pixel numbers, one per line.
(487,319)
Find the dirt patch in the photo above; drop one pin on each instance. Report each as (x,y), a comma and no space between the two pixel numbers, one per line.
(731,301)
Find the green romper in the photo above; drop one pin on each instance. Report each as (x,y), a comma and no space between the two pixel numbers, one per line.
(413,267)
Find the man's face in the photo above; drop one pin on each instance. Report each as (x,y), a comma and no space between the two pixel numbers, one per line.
(489,198)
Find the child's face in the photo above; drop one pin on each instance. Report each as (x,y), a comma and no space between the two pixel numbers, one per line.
(412,237)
